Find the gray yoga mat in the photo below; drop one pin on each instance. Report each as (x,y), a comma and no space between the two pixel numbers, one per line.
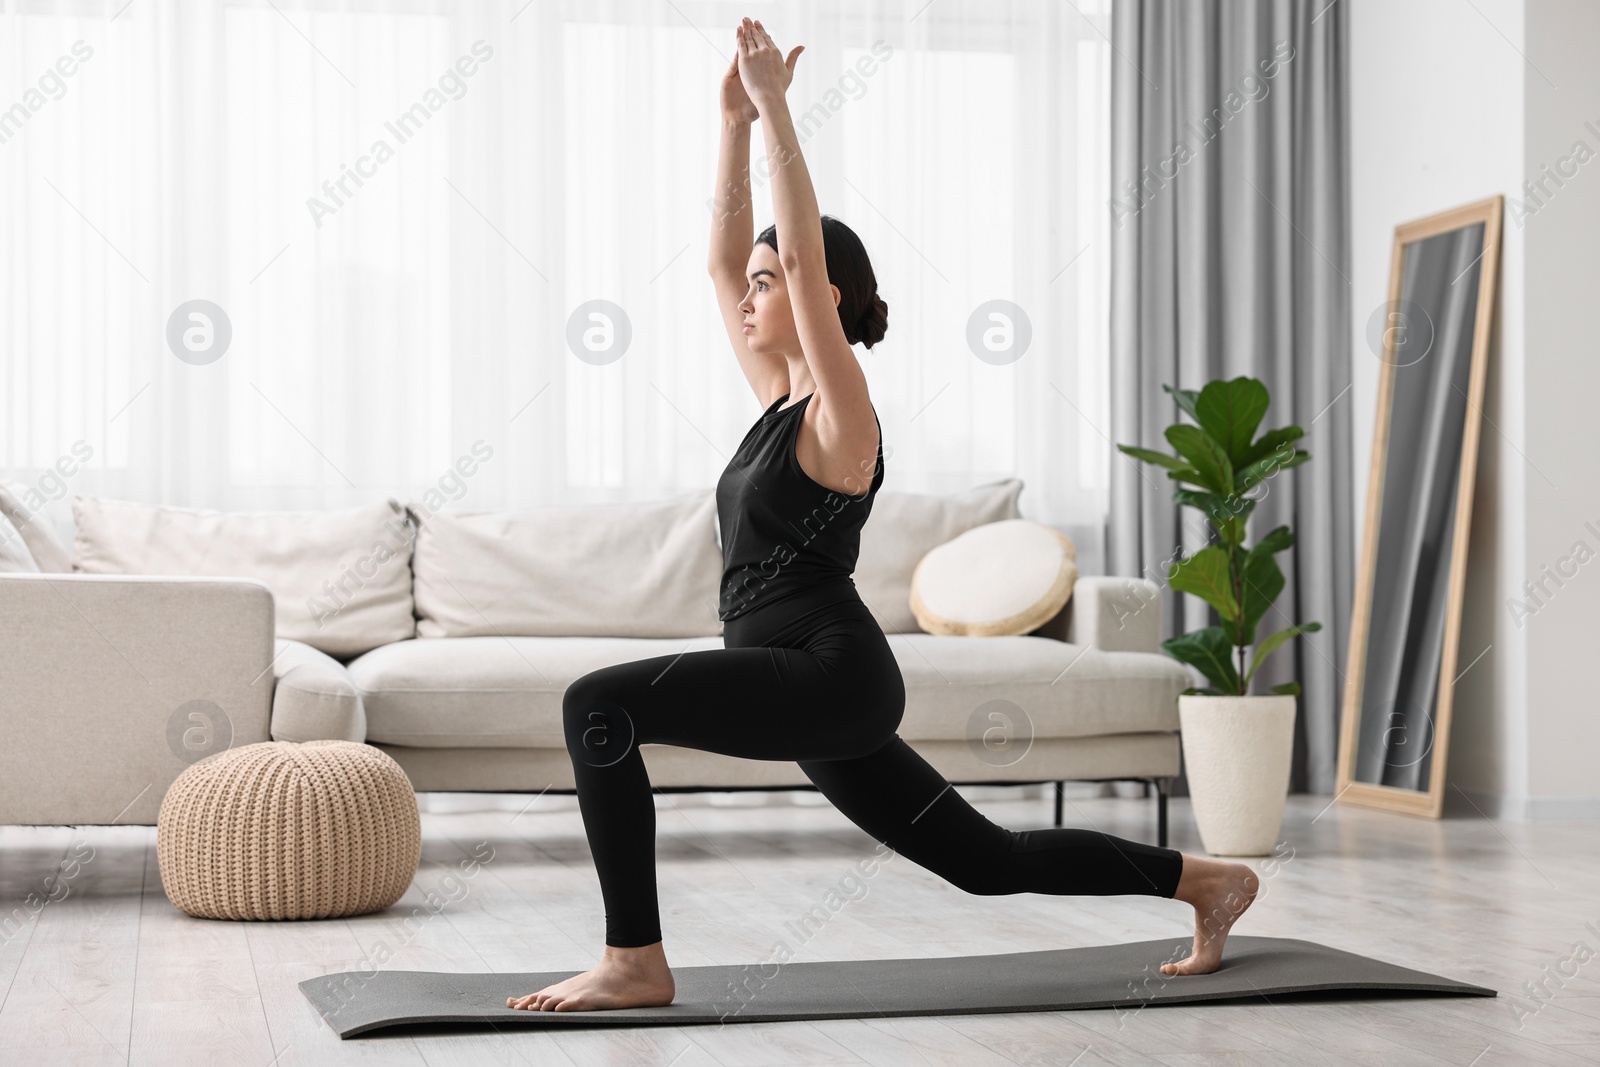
(1099,976)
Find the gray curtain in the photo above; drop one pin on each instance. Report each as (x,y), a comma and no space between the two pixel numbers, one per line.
(1230,257)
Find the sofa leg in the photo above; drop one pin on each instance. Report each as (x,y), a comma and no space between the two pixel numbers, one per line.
(1058,803)
(1161,812)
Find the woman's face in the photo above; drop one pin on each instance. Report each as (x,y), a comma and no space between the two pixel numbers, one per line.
(769,319)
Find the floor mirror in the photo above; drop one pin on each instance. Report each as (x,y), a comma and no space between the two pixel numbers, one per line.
(1431,338)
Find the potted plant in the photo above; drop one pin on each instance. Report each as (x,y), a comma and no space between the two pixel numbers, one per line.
(1236,746)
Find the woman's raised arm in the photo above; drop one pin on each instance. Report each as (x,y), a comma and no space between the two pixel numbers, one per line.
(845,418)
(732,231)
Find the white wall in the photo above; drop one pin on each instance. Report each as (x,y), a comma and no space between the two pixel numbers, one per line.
(1449,104)
(1562,305)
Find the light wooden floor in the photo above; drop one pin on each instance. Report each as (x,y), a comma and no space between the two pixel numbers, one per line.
(112,973)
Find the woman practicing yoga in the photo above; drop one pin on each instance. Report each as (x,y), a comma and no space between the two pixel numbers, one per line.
(806,673)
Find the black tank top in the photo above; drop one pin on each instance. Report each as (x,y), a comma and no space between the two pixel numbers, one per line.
(782,532)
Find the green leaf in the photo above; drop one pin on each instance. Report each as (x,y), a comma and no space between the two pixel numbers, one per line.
(1190,475)
(1186,399)
(1204,454)
(1160,458)
(1263,581)
(1230,411)
(1264,468)
(1204,691)
(1270,645)
(1206,502)
(1209,651)
(1291,689)
(1270,442)
(1227,513)
(1206,575)
(1276,540)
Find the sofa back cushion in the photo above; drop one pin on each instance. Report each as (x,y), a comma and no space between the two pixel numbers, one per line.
(21,507)
(649,569)
(904,527)
(341,579)
(14,555)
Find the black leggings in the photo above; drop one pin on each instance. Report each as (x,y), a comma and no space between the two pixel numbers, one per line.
(809,679)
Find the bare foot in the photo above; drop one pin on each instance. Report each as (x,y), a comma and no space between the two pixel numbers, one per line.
(1220,892)
(624,978)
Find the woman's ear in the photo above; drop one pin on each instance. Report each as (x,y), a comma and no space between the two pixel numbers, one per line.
(837,295)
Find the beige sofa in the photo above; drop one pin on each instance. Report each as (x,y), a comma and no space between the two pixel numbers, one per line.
(112,683)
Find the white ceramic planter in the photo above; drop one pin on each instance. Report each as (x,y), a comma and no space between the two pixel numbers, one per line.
(1236,753)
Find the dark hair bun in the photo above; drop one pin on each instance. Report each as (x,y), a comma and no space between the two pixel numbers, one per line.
(873,322)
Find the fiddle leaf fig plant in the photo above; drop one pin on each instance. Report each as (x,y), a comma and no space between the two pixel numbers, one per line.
(1223,460)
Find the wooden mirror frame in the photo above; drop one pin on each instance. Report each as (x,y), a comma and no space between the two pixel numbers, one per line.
(1369,794)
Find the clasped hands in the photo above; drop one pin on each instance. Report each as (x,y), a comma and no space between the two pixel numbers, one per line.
(759,74)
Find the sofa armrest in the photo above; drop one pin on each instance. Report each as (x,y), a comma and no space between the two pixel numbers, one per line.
(111,685)
(314,698)
(1109,613)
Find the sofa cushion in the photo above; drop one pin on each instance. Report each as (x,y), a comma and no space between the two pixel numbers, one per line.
(21,507)
(1002,578)
(1061,690)
(489,692)
(647,569)
(340,580)
(314,698)
(14,555)
(904,527)
(505,692)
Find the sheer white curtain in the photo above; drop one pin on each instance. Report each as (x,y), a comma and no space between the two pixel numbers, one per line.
(404,209)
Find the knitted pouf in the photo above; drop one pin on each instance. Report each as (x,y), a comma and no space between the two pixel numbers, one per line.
(289,830)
